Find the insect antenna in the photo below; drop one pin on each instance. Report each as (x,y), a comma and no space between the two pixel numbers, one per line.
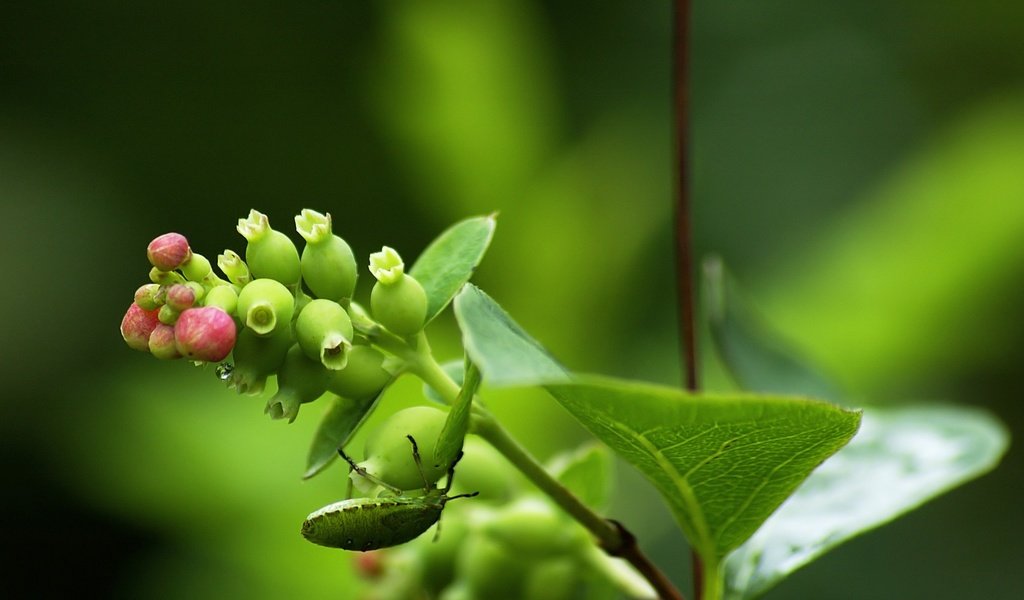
(367,475)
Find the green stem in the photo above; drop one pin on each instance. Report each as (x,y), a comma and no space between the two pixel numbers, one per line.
(711,588)
(612,536)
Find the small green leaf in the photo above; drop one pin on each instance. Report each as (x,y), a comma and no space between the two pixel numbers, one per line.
(449,261)
(340,422)
(588,472)
(449,443)
(504,353)
(901,458)
(753,354)
(723,463)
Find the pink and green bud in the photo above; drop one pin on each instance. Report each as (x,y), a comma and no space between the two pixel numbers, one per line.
(266,305)
(180,297)
(363,377)
(256,358)
(168,251)
(168,315)
(205,334)
(196,268)
(137,325)
(223,297)
(324,332)
(397,300)
(147,297)
(328,265)
(232,265)
(269,253)
(162,343)
(165,277)
(299,380)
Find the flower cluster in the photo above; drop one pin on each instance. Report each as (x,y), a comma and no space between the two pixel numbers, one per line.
(278,313)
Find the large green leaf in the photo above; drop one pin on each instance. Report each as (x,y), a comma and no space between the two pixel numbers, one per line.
(756,358)
(340,422)
(901,458)
(723,463)
(449,261)
(504,353)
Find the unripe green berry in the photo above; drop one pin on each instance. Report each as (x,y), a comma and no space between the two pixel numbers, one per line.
(328,265)
(146,296)
(137,325)
(490,570)
(232,265)
(397,300)
(162,344)
(168,251)
(269,253)
(324,331)
(223,297)
(257,357)
(196,268)
(533,527)
(484,470)
(299,380)
(168,315)
(557,579)
(363,376)
(265,305)
(389,455)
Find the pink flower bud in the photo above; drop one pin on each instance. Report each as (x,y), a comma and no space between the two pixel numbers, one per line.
(180,297)
(206,333)
(161,343)
(168,251)
(137,325)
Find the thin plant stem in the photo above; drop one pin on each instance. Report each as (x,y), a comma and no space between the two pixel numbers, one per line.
(684,236)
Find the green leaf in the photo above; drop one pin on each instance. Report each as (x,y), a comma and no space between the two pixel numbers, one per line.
(754,355)
(453,434)
(901,458)
(449,261)
(504,353)
(587,472)
(340,422)
(723,463)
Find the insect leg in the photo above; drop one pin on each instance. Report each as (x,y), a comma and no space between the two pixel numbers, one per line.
(419,463)
(367,475)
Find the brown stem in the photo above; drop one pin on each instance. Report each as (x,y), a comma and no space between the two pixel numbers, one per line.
(630,551)
(684,237)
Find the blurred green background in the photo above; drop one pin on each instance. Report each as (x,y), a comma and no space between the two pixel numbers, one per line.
(859,165)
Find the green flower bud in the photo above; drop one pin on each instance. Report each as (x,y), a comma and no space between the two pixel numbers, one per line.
(196,268)
(363,377)
(257,357)
(398,301)
(490,570)
(168,315)
(265,305)
(232,265)
(165,277)
(168,251)
(328,265)
(146,296)
(180,297)
(269,253)
(324,332)
(223,297)
(533,527)
(137,325)
(557,579)
(389,455)
(205,334)
(162,344)
(299,380)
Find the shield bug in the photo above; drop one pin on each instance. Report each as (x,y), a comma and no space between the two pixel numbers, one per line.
(365,524)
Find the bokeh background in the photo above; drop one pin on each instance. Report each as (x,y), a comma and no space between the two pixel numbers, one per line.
(860,166)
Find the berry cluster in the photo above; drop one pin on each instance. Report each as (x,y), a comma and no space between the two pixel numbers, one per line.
(278,312)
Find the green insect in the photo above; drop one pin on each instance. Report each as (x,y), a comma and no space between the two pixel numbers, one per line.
(365,524)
